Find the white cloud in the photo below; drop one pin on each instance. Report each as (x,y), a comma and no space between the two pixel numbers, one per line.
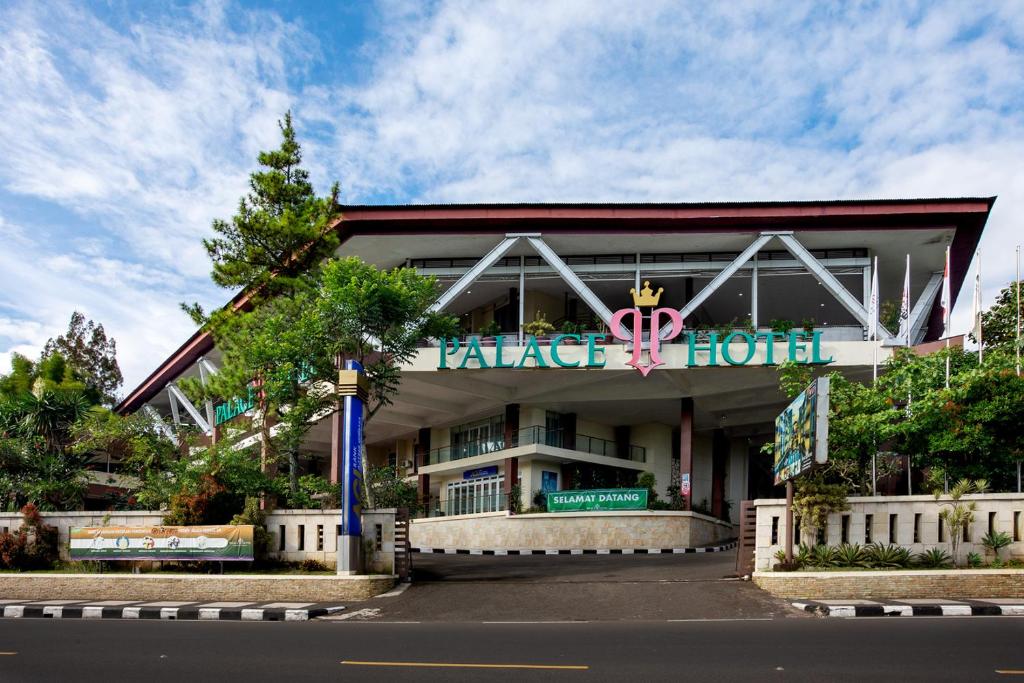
(150,131)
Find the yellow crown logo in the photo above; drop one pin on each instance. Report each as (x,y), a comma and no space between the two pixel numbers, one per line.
(647,296)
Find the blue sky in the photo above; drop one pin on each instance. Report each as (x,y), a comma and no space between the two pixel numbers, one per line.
(126,127)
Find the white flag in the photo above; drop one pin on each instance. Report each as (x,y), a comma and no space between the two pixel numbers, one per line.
(947,298)
(976,302)
(873,305)
(904,332)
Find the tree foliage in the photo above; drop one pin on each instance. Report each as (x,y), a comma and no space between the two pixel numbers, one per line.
(90,355)
(999,323)
(282,230)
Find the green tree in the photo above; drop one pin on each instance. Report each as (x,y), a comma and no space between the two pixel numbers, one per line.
(91,356)
(999,323)
(281,231)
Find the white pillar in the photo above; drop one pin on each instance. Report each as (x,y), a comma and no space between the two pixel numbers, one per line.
(522,295)
(753,292)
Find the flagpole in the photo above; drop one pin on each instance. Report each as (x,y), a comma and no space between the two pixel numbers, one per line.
(947,296)
(977,298)
(873,322)
(1017,345)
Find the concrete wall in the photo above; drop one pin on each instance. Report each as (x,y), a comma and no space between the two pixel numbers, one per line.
(307,534)
(192,587)
(597,530)
(1008,509)
(948,584)
(657,440)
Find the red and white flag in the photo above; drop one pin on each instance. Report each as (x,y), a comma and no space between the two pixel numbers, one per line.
(904,332)
(873,305)
(976,305)
(947,298)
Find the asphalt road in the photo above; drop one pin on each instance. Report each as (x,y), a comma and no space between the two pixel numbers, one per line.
(579,587)
(816,649)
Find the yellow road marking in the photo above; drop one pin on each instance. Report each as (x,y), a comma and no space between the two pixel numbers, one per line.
(451,665)
(1010,672)
(7,654)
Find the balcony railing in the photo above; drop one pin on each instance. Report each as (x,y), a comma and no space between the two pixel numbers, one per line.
(534,435)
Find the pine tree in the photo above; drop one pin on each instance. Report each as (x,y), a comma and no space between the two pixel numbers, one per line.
(282,229)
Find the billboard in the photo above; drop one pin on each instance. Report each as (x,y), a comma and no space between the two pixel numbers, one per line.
(801,433)
(227,542)
(597,499)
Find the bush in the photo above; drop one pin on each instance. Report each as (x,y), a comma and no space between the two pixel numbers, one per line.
(823,556)
(252,514)
(33,546)
(540,501)
(933,558)
(973,560)
(851,555)
(887,556)
(311,565)
(996,541)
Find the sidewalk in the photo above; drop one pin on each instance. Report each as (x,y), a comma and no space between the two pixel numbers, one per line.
(909,607)
(166,609)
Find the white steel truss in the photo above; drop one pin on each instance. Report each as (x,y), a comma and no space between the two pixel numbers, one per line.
(923,306)
(745,260)
(159,423)
(177,395)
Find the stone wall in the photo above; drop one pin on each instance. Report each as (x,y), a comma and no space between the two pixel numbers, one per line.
(914,521)
(579,530)
(874,585)
(192,587)
(296,535)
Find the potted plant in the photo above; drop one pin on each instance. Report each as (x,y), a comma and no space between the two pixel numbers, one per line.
(808,325)
(490,331)
(539,327)
(569,327)
(781,325)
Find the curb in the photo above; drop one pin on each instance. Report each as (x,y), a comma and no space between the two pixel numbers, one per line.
(576,551)
(896,608)
(197,613)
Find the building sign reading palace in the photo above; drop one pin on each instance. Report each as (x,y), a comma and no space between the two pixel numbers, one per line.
(704,348)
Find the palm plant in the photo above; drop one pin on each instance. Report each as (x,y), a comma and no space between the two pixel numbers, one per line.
(887,556)
(933,558)
(823,556)
(996,541)
(960,513)
(851,555)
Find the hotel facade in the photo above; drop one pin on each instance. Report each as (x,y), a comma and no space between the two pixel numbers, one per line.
(665,326)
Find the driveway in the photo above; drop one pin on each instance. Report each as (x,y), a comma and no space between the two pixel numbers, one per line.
(579,588)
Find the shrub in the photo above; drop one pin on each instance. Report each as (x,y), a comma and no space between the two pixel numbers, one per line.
(996,541)
(851,555)
(973,560)
(933,558)
(311,565)
(12,549)
(252,514)
(887,556)
(823,556)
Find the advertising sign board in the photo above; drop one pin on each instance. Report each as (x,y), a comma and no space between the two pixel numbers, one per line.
(801,433)
(227,542)
(597,499)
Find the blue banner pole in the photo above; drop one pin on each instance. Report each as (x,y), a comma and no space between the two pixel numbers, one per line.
(352,495)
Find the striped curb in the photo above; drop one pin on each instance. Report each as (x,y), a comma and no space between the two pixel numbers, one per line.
(192,613)
(575,551)
(897,608)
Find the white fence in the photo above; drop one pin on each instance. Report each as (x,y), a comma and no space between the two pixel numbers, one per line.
(909,521)
(295,535)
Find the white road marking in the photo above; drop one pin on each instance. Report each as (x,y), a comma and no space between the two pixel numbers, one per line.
(395,592)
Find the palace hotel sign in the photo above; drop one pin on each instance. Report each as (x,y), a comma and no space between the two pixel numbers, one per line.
(736,348)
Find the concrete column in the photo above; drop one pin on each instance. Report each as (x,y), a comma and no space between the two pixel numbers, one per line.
(686,450)
(423,486)
(421,454)
(511,477)
(511,425)
(337,427)
(719,456)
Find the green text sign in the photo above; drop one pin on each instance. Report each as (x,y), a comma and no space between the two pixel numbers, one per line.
(597,499)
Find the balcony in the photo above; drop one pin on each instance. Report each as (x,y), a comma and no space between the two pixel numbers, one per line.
(535,435)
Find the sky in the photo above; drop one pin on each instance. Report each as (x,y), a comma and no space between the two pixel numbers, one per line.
(127,127)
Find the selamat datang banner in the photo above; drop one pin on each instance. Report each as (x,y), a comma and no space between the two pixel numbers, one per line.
(227,542)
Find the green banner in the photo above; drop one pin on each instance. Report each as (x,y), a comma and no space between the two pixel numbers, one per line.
(597,499)
(225,542)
